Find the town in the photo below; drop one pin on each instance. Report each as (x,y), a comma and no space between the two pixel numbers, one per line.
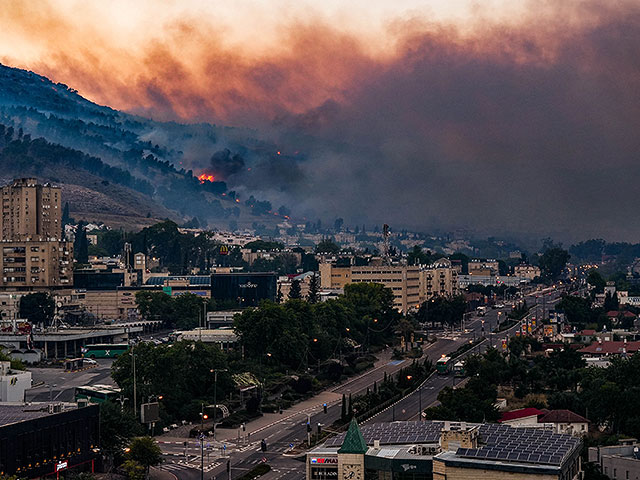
(363,240)
(211,353)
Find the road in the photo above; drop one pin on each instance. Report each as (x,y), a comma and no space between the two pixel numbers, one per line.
(282,431)
(54,384)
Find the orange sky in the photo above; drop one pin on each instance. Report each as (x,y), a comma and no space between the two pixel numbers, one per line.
(211,60)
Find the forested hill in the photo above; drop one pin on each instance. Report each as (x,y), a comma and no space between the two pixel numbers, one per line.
(45,123)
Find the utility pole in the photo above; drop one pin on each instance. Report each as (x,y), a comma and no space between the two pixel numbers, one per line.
(135,397)
(201,455)
(215,398)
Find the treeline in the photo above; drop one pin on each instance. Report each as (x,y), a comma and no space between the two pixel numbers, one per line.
(297,333)
(22,153)
(536,381)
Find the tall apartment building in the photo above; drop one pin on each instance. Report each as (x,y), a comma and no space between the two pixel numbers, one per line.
(403,281)
(30,211)
(33,254)
(439,279)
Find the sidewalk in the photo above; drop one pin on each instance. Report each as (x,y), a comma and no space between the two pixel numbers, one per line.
(329,396)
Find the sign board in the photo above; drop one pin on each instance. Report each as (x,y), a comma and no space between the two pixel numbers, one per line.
(327,460)
(167,290)
(150,412)
(224,250)
(62,465)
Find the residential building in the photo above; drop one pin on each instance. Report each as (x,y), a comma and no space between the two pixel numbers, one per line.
(438,279)
(33,255)
(565,421)
(479,266)
(33,265)
(523,416)
(30,211)
(601,348)
(525,271)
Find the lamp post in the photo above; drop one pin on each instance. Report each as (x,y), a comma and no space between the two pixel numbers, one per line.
(215,397)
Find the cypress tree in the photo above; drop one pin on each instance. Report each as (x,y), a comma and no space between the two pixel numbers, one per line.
(343,415)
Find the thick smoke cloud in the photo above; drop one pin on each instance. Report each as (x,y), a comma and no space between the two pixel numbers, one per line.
(527,127)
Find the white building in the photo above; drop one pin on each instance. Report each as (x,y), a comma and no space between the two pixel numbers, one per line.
(13,383)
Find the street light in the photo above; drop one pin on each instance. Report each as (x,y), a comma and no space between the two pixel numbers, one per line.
(215,395)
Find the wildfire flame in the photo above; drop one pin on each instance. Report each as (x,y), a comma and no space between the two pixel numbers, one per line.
(205,177)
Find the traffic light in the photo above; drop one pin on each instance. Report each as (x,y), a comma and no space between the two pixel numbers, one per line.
(263,445)
(324,407)
(319,428)
(308,427)
(244,427)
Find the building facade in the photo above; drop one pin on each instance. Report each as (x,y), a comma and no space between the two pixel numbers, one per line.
(30,211)
(438,279)
(36,264)
(33,253)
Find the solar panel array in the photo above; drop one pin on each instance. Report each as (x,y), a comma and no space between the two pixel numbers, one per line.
(529,445)
(18,413)
(497,442)
(396,433)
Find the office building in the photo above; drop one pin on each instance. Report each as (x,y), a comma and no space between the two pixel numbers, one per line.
(39,440)
(243,289)
(445,450)
(402,280)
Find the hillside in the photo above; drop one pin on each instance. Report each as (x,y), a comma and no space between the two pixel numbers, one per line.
(158,161)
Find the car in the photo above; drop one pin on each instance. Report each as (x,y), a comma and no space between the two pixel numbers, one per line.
(500,305)
(89,361)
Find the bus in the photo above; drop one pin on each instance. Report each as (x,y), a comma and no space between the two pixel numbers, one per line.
(97,393)
(458,369)
(443,365)
(104,350)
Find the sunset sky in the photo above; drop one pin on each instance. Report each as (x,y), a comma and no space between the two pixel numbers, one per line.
(450,108)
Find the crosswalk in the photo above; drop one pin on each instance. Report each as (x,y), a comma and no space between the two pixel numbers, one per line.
(181,466)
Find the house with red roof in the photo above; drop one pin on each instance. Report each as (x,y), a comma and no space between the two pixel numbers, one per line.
(609,348)
(523,416)
(565,421)
(560,421)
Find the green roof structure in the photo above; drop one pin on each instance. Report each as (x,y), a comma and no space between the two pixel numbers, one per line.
(353,440)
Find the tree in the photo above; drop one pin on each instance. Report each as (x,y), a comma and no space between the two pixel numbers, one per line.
(66,218)
(134,470)
(145,451)
(81,245)
(294,291)
(337,225)
(610,302)
(38,308)
(156,306)
(314,287)
(327,246)
(117,428)
(596,280)
(552,262)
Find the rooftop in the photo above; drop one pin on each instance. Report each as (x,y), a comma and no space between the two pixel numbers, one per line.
(562,416)
(522,413)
